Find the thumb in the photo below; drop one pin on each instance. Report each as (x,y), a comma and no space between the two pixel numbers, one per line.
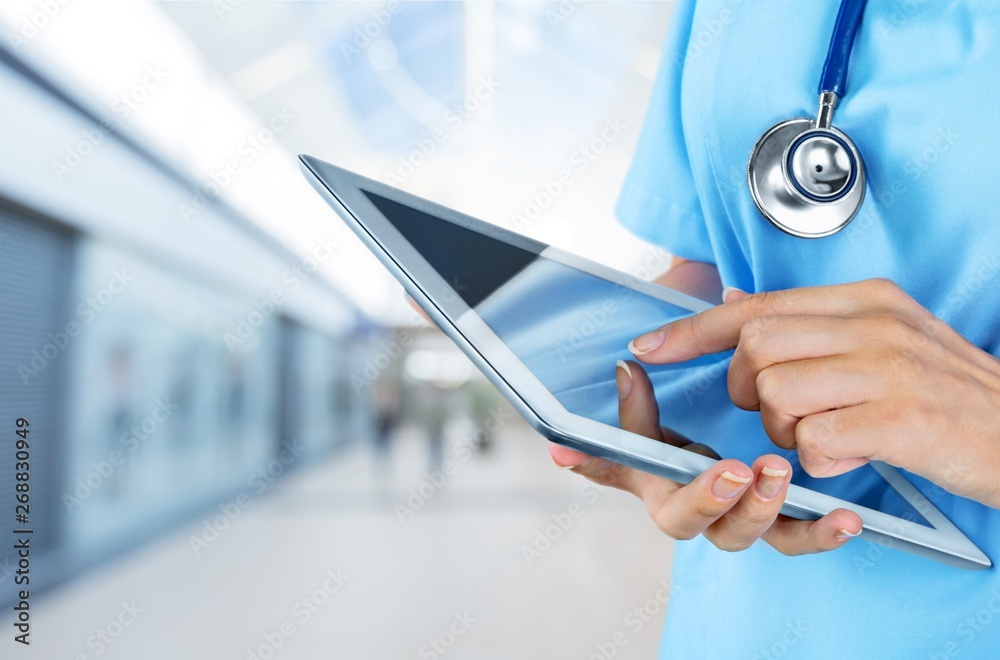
(637,407)
(732,294)
(566,457)
(599,470)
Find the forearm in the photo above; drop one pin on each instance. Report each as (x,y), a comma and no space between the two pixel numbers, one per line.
(694,278)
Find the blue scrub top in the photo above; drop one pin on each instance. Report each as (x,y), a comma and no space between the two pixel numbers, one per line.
(922,106)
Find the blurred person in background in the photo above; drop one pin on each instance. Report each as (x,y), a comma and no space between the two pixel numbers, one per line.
(433,414)
(388,403)
(234,403)
(481,402)
(842,367)
(120,416)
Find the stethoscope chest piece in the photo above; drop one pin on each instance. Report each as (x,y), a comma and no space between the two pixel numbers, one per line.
(805,176)
(807,181)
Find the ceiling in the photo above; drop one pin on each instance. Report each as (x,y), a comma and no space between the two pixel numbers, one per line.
(481,106)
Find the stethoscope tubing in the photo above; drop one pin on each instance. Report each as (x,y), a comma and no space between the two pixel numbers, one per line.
(838,57)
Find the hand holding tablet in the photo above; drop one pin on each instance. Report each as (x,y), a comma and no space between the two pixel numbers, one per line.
(547,329)
(850,373)
(731,504)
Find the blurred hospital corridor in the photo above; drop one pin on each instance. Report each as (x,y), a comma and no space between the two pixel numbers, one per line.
(230,435)
(349,559)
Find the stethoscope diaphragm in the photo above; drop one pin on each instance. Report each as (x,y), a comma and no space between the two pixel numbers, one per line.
(805,176)
(807,181)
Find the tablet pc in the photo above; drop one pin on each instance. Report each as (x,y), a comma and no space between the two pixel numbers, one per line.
(546,327)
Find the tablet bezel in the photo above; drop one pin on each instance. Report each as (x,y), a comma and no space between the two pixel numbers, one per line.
(344,192)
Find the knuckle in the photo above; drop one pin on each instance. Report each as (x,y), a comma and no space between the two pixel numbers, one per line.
(783,440)
(753,335)
(906,363)
(811,440)
(740,395)
(812,434)
(667,525)
(885,288)
(692,324)
(739,384)
(682,535)
(759,518)
(770,385)
(757,304)
(730,544)
(892,295)
(887,324)
(934,329)
(891,334)
(701,509)
(812,464)
(697,331)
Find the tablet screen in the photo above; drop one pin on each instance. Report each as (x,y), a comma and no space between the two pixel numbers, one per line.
(569,327)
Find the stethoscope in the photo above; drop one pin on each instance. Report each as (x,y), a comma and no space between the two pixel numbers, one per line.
(806,177)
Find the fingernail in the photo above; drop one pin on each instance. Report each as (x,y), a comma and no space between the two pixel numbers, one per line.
(844,535)
(563,467)
(730,289)
(770,481)
(624,378)
(728,485)
(647,342)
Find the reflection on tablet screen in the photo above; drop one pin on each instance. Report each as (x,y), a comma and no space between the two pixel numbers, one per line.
(569,327)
